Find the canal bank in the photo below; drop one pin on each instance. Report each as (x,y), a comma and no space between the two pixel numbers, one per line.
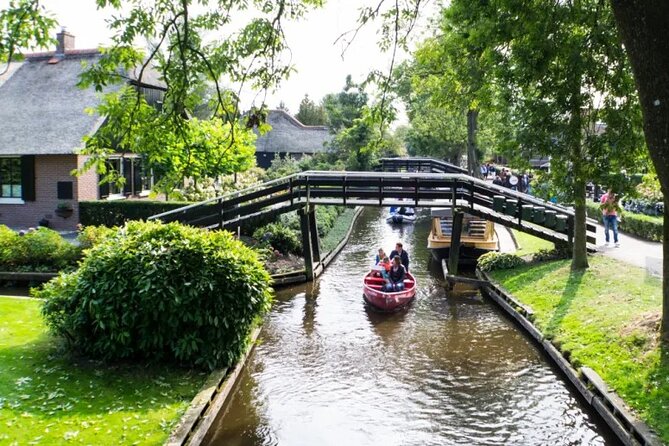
(448,370)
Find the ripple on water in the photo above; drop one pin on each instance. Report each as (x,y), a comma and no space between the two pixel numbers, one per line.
(450,370)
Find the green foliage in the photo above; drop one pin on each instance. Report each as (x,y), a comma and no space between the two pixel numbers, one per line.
(162,292)
(557,253)
(644,226)
(117,212)
(191,65)
(279,237)
(310,113)
(39,250)
(345,107)
(339,229)
(492,261)
(92,235)
(24,25)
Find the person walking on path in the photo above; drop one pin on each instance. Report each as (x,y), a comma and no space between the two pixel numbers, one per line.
(610,210)
(403,255)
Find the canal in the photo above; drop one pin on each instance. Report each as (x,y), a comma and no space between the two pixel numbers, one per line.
(449,370)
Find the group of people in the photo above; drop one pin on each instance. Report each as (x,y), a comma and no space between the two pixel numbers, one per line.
(393,268)
(610,215)
(520,183)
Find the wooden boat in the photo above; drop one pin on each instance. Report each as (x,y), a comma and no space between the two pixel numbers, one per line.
(478,236)
(374,294)
(401,215)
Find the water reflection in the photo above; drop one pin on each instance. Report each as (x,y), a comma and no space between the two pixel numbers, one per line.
(447,370)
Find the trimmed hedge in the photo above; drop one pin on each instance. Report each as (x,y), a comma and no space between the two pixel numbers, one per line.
(161,292)
(117,212)
(643,226)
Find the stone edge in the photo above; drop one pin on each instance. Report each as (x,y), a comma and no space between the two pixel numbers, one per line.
(629,429)
(203,409)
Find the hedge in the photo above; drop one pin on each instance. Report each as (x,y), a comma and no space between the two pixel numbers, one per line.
(118,212)
(643,226)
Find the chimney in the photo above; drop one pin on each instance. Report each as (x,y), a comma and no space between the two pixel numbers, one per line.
(65,41)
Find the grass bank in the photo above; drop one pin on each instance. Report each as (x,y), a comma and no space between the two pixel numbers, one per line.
(529,244)
(338,230)
(606,318)
(48,397)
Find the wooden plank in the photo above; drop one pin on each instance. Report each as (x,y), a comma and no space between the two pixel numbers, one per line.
(454,252)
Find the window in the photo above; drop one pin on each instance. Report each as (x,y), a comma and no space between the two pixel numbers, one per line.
(138,179)
(10,177)
(65,190)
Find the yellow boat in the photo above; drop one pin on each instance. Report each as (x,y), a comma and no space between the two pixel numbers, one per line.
(478,236)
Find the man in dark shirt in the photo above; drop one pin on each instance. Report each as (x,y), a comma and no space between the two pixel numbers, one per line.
(404,256)
(396,276)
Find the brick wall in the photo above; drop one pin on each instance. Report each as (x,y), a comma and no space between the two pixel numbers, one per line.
(49,169)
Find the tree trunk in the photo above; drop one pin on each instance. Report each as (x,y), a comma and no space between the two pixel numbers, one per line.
(579,259)
(472,123)
(643,26)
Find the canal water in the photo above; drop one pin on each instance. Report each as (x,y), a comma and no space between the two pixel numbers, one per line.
(448,370)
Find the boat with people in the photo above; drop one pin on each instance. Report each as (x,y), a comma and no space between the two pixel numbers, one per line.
(477,237)
(401,214)
(375,294)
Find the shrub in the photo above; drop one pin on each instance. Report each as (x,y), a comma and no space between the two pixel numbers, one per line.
(160,291)
(282,238)
(92,235)
(557,253)
(491,261)
(37,250)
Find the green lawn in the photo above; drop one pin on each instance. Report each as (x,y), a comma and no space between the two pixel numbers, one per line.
(338,231)
(529,244)
(607,319)
(47,397)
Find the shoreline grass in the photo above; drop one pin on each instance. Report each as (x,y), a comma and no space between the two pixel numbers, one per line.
(606,318)
(50,397)
(338,230)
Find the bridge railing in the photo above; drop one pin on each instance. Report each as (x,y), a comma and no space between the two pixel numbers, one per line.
(419,164)
(379,189)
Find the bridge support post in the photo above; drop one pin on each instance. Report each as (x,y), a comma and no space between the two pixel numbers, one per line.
(454,252)
(313,233)
(306,243)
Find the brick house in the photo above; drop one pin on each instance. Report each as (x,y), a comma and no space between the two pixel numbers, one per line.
(42,123)
(289,136)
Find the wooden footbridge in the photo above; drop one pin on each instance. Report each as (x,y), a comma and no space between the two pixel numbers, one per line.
(417,186)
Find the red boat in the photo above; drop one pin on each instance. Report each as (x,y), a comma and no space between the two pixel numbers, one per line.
(375,295)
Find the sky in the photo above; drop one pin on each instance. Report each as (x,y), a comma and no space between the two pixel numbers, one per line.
(321,68)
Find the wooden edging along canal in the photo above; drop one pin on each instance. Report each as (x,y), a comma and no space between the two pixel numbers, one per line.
(212,397)
(604,401)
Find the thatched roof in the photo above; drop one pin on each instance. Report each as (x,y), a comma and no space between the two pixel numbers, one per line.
(288,135)
(42,111)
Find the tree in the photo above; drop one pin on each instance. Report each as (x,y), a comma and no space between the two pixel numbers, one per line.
(643,27)
(565,83)
(23,25)
(310,113)
(344,107)
(191,47)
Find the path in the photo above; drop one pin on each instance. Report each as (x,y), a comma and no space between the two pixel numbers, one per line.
(633,250)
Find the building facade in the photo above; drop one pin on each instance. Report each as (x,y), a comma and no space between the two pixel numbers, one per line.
(43,120)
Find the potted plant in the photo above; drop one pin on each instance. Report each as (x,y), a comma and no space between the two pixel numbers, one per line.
(64,209)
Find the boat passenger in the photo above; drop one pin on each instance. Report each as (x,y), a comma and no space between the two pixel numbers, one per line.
(403,255)
(396,276)
(386,264)
(380,256)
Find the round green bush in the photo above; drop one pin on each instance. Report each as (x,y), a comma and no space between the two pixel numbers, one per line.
(498,260)
(41,249)
(161,292)
(279,237)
